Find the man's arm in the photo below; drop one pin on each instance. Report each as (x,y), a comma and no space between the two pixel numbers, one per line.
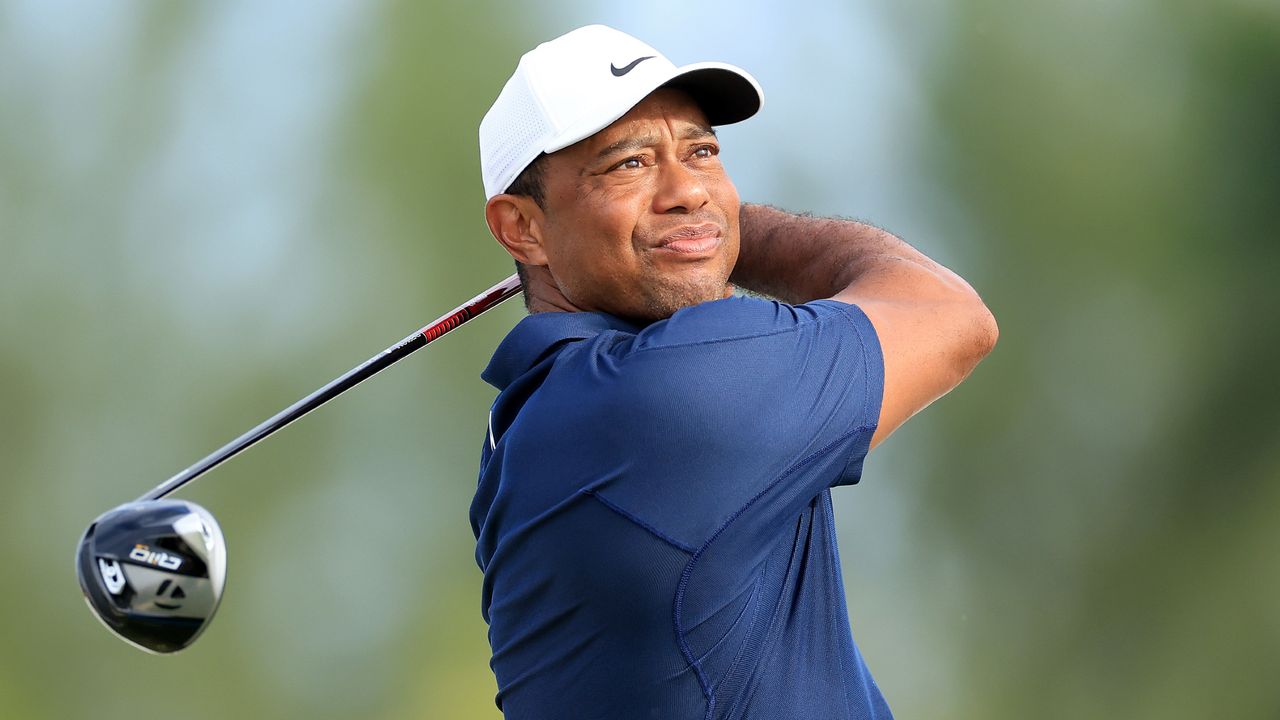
(933,327)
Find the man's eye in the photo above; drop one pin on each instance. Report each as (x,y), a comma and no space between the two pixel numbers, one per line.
(706,151)
(631,163)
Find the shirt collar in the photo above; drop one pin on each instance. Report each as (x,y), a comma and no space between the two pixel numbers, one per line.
(531,339)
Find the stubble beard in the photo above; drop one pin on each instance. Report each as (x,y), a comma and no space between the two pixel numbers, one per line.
(660,300)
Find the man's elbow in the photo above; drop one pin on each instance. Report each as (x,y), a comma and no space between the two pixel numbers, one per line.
(980,335)
(988,331)
(974,327)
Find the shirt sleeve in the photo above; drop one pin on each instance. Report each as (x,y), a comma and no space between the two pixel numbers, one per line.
(734,404)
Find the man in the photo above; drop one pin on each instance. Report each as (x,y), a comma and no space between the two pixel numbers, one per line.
(653,516)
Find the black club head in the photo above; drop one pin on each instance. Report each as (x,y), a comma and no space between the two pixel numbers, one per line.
(153,571)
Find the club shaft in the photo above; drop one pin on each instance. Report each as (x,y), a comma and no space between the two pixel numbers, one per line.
(484,301)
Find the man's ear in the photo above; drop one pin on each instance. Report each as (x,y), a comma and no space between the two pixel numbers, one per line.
(516,221)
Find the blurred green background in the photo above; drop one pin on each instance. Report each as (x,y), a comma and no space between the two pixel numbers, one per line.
(209,209)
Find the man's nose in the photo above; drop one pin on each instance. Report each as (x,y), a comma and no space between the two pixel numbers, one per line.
(680,189)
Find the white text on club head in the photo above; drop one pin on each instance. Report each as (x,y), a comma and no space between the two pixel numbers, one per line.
(142,553)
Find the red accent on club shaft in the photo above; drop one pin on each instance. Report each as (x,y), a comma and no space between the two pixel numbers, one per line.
(484,301)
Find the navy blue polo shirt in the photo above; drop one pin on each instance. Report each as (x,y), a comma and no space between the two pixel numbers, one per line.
(653,516)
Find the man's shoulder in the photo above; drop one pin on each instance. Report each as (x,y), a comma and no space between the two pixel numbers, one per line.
(708,362)
(743,318)
(724,356)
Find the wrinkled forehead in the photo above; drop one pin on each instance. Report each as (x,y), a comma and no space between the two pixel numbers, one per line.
(665,114)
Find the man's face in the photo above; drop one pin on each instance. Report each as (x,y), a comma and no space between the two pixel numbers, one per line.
(640,219)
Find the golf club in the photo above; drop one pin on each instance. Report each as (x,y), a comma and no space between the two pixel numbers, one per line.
(153,570)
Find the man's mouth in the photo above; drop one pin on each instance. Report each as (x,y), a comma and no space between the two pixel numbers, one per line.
(691,240)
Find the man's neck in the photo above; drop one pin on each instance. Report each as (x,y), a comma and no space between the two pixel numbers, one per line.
(542,294)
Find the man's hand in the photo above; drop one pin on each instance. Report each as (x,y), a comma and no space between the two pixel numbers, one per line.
(933,328)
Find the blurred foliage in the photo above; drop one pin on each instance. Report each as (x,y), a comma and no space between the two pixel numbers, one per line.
(207,210)
(1118,497)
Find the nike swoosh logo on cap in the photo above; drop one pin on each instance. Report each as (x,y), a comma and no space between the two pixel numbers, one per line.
(620,71)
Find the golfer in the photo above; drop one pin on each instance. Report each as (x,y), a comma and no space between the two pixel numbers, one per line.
(653,516)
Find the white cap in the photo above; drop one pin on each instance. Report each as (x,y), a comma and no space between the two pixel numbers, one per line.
(576,85)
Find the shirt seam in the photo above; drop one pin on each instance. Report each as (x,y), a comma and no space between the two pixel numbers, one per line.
(682,586)
(832,562)
(638,521)
(866,361)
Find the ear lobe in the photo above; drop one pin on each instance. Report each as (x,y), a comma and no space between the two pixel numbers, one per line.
(516,222)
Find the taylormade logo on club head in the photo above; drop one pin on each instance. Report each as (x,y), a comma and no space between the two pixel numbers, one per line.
(620,71)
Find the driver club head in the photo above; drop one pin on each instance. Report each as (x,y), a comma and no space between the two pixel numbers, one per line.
(153,571)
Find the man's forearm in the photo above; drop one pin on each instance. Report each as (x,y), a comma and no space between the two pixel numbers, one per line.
(932,328)
(799,258)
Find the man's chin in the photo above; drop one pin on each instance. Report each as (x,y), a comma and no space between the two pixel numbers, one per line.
(667,301)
